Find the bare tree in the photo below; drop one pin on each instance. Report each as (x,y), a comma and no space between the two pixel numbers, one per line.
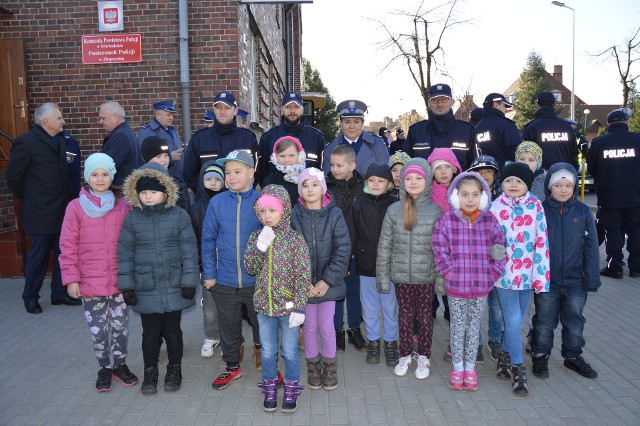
(422,50)
(625,57)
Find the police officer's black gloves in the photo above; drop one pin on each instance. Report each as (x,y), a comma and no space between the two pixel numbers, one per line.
(130,297)
(188,292)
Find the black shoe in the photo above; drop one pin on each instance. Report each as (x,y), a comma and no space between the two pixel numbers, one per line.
(611,273)
(480,356)
(504,366)
(580,366)
(519,384)
(391,353)
(33,307)
(356,339)
(173,379)
(103,384)
(340,343)
(126,377)
(373,352)
(66,300)
(150,382)
(540,366)
(634,274)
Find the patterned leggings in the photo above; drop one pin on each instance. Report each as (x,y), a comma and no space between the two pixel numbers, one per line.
(108,319)
(464,328)
(414,303)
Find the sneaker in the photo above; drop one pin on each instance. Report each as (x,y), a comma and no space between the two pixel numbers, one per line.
(611,273)
(208,347)
(422,372)
(403,366)
(223,380)
(340,343)
(494,347)
(540,366)
(504,366)
(519,384)
(470,380)
(150,382)
(391,353)
(480,356)
(103,384)
(124,376)
(448,357)
(456,379)
(258,357)
(356,339)
(529,339)
(373,352)
(580,366)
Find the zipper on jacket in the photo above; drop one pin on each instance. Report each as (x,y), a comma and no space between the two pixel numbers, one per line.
(238,259)
(163,282)
(270,281)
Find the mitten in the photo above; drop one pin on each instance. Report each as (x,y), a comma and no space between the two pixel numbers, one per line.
(498,252)
(265,238)
(188,292)
(296,319)
(129,296)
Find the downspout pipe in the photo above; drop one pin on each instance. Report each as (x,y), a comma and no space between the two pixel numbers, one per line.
(185,85)
(287,37)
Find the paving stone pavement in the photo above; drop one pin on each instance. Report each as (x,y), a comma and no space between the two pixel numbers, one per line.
(48,372)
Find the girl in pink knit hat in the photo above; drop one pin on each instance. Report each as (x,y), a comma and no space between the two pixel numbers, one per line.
(289,158)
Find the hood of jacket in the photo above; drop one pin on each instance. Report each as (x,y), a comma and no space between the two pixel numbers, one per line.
(447,155)
(422,163)
(283,196)
(555,168)
(202,193)
(452,193)
(152,170)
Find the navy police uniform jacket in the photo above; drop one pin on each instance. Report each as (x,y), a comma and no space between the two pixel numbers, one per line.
(443,131)
(614,161)
(121,145)
(556,138)
(172,138)
(497,136)
(312,141)
(212,143)
(372,150)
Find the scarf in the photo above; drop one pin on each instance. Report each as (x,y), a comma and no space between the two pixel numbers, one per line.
(470,217)
(291,171)
(107,201)
(439,195)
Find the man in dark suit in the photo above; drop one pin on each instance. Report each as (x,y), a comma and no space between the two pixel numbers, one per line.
(121,144)
(38,174)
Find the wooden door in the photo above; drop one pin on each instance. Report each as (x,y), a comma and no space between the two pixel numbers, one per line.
(14,110)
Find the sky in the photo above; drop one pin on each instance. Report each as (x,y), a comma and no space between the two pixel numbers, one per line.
(343,42)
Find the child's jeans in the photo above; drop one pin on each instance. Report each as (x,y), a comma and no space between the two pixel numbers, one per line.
(372,301)
(210,316)
(466,316)
(414,302)
(166,325)
(270,327)
(514,304)
(319,317)
(108,321)
(495,318)
(564,305)
(352,300)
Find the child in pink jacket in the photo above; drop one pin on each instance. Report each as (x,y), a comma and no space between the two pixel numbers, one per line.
(89,265)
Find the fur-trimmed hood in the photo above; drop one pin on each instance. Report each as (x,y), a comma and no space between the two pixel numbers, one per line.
(152,170)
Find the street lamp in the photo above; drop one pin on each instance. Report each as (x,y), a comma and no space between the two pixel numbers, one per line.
(573,64)
(586,114)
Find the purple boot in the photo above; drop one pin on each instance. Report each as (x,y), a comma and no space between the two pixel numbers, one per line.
(291,393)
(270,390)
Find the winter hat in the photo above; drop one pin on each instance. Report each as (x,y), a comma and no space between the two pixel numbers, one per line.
(147,183)
(99,161)
(272,201)
(380,170)
(532,147)
(398,158)
(440,156)
(414,169)
(562,174)
(315,174)
(215,172)
(152,146)
(519,171)
(302,157)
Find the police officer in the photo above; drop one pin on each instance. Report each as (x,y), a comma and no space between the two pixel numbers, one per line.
(554,135)
(312,139)
(208,118)
(581,141)
(398,143)
(369,148)
(476,115)
(162,126)
(614,160)
(211,143)
(241,118)
(495,134)
(442,130)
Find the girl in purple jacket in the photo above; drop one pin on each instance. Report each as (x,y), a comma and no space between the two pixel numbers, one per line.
(89,265)
(462,241)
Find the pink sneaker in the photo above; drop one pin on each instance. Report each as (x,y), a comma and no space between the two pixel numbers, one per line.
(456,380)
(470,380)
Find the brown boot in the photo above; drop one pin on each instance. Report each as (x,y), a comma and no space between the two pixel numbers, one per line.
(258,357)
(314,373)
(329,376)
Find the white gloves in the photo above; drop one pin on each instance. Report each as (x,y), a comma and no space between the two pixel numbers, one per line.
(498,252)
(295,319)
(265,238)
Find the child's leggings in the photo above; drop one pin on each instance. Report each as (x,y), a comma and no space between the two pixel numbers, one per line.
(319,317)
(464,327)
(108,321)
(414,302)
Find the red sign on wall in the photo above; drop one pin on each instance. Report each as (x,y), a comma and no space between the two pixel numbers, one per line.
(111,49)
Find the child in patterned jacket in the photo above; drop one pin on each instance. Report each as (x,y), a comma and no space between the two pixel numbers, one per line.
(463,239)
(279,257)
(521,217)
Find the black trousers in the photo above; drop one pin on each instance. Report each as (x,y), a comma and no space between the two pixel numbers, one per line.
(617,222)
(36,268)
(229,301)
(166,325)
